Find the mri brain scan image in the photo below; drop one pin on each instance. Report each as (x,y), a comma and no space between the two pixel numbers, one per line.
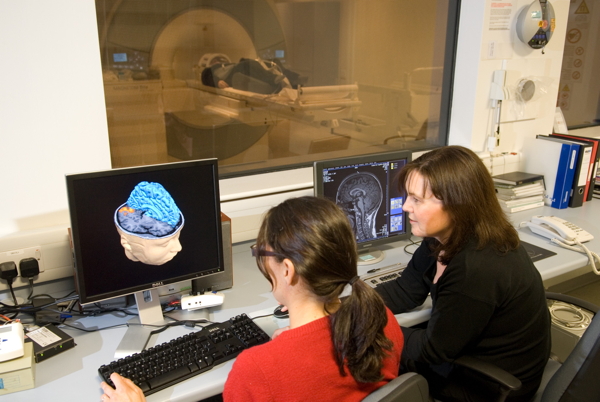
(149,224)
(360,196)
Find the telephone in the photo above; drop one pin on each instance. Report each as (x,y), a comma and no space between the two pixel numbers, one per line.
(564,234)
(553,227)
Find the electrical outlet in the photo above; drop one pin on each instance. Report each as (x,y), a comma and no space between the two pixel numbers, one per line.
(52,250)
(20,254)
(503,162)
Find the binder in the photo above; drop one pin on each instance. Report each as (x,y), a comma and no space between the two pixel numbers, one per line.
(594,163)
(552,159)
(594,159)
(582,171)
(566,168)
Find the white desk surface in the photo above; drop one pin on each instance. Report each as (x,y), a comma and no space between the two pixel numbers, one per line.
(73,376)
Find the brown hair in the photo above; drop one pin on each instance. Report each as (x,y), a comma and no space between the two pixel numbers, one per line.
(457,176)
(316,236)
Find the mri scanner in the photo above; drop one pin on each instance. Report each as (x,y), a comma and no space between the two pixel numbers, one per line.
(355,90)
(176,40)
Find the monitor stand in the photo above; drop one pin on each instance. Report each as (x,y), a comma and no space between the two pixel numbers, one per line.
(150,318)
(138,331)
(372,256)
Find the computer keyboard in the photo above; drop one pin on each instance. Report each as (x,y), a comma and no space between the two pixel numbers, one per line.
(382,275)
(171,362)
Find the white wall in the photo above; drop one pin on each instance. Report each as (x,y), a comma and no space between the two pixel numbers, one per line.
(52,116)
(472,117)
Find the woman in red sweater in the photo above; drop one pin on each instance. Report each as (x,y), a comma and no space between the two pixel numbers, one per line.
(336,348)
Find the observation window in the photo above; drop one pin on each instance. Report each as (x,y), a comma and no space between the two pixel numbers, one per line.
(271,84)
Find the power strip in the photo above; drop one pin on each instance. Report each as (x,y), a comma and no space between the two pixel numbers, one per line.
(202,301)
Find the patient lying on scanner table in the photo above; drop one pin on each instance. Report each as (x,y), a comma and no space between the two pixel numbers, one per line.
(264,90)
(260,76)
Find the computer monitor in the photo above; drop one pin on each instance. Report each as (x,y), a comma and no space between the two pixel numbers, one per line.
(366,188)
(136,229)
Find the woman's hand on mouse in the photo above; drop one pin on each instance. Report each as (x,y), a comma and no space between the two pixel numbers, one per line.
(279,331)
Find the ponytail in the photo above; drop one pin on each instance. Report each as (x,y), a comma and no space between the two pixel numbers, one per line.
(315,234)
(357,333)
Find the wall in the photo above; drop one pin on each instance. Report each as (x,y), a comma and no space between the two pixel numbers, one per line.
(52,115)
(53,120)
(472,118)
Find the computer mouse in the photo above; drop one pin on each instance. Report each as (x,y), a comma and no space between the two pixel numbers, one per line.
(280,314)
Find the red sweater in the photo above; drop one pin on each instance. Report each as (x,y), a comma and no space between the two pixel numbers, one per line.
(299,365)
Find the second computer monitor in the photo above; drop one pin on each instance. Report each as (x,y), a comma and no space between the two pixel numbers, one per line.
(366,188)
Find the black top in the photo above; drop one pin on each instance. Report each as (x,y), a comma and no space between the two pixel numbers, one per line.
(485,304)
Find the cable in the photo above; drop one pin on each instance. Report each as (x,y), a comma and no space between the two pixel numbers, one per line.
(581,249)
(96,329)
(30,309)
(31,287)
(29,267)
(412,243)
(262,316)
(187,323)
(8,272)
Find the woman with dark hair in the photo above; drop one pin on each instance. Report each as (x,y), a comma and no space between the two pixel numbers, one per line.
(488,298)
(336,348)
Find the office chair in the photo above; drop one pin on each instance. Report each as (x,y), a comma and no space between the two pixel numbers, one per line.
(574,380)
(577,378)
(408,387)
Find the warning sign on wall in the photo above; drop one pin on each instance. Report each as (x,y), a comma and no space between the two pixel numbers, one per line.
(578,31)
(582,9)
(577,78)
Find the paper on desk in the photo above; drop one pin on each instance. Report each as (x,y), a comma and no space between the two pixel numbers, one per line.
(43,336)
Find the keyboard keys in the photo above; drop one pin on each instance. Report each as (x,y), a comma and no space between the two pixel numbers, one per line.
(174,361)
(383,275)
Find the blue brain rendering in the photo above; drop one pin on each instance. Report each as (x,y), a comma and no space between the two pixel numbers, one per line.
(150,209)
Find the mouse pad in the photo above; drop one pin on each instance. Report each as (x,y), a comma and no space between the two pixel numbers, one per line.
(537,253)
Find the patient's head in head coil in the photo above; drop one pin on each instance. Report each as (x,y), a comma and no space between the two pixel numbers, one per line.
(360,196)
(149,224)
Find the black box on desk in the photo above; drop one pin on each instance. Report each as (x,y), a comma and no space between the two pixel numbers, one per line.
(49,341)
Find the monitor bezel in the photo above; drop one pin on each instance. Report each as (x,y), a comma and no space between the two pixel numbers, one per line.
(318,167)
(74,230)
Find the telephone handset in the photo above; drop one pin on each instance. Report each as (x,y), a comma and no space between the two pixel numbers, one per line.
(564,234)
(553,227)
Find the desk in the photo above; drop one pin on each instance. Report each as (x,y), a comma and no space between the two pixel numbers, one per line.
(72,376)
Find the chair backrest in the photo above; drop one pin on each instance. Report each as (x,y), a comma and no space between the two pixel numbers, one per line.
(408,387)
(577,378)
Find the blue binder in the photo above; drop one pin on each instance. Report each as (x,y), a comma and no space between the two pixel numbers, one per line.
(565,172)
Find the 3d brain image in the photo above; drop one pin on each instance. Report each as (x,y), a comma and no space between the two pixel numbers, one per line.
(149,224)
(150,209)
(360,196)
